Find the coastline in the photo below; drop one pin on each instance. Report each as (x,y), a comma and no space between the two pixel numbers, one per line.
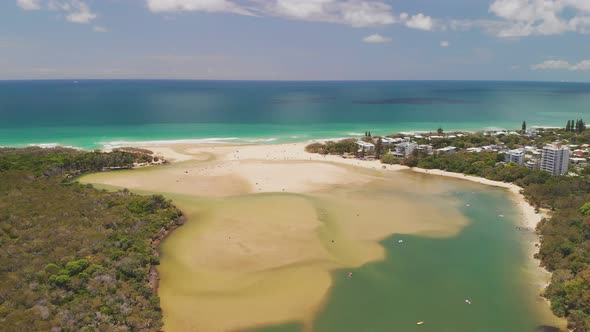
(263,169)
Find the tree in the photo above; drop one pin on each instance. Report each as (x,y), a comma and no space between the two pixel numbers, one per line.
(585,209)
(524,126)
(568,126)
(378,148)
(580,126)
(440,130)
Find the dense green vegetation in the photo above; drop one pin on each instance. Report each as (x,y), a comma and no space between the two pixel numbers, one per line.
(64,161)
(330,147)
(75,258)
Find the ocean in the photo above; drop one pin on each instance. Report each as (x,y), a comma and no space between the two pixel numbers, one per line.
(108,113)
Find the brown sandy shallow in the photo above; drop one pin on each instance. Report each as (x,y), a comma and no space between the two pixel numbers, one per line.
(268,224)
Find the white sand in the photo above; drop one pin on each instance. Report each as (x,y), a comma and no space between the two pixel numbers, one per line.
(234,160)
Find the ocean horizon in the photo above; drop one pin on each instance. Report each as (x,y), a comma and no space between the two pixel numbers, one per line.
(93,114)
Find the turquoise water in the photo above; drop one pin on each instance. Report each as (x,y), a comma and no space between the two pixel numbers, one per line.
(427,279)
(91,114)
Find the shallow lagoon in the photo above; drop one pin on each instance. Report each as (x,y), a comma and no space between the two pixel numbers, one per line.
(429,279)
(280,262)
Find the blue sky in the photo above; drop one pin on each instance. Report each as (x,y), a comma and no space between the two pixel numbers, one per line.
(296,39)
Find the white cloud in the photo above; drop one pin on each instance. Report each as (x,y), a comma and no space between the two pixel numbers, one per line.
(562,64)
(551,64)
(582,65)
(444,43)
(79,12)
(356,13)
(520,18)
(211,6)
(418,21)
(75,11)
(29,4)
(376,39)
(98,28)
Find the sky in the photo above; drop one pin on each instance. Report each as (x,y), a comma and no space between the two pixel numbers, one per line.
(536,40)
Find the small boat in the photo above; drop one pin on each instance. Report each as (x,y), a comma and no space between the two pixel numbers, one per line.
(400,241)
(467,301)
(468,205)
(501,216)
(419,323)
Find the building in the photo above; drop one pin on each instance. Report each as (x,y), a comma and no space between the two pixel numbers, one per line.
(424,148)
(493,148)
(448,149)
(579,153)
(404,149)
(555,159)
(533,164)
(579,161)
(515,156)
(365,146)
(389,140)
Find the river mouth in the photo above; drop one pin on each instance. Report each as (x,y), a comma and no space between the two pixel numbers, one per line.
(382,252)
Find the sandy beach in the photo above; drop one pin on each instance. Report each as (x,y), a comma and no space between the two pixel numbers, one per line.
(274,215)
(296,152)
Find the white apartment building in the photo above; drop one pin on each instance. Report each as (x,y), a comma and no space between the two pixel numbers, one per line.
(515,156)
(555,159)
(404,149)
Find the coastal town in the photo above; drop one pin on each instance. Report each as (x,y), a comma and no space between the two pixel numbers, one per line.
(545,149)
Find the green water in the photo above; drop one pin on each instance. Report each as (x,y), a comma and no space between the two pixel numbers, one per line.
(426,279)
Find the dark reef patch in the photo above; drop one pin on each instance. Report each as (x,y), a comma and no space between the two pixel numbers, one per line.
(414,101)
(317,100)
